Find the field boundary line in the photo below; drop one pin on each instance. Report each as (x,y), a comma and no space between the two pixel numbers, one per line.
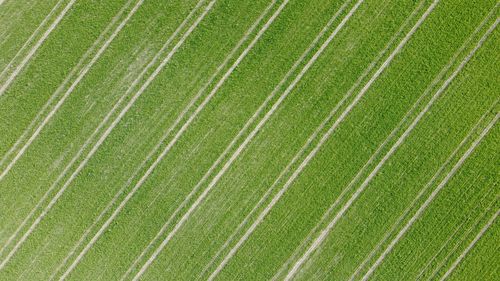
(454,169)
(74,70)
(470,246)
(33,50)
(252,134)
(31,38)
(169,130)
(104,136)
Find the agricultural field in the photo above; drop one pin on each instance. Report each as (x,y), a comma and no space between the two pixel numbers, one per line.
(249,140)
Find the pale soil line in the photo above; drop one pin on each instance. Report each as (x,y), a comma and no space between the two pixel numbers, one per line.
(470,246)
(103,137)
(433,195)
(332,113)
(167,133)
(300,168)
(31,38)
(122,113)
(420,194)
(453,170)
(461,240)
(318,53)
(35,47)
(438,78)
(217,177)
(47,119)
(108,116)
(81,75)
(202,90)
(33,260)
(295,158)
(101,215)
(63,84)
(287,168)
(447,161)
(182,130)
(324,233)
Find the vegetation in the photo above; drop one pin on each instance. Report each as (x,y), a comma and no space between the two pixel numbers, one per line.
(222,139)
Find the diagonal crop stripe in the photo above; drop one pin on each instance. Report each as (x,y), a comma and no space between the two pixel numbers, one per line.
(463,235)
(457,165)
(249,140)
(35,48)
(431,197)
(82,70)
(311,155)
(238,136)
(324,233)
(252,134)
(170,129)
(106,133)
(30,39)
(459,259)
(76,75)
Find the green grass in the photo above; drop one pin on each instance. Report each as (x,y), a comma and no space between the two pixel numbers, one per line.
(18,21)
(430,246)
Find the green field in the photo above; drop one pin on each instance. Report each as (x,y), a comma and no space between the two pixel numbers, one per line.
(249,140)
